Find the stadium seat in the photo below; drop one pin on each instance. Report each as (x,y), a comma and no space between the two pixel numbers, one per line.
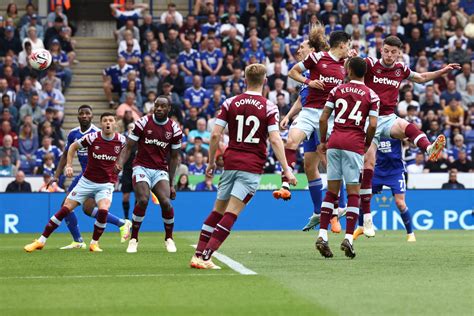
(210,81)
(188,81)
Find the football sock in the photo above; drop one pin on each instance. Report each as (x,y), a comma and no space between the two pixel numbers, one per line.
(316,192)
(220,233)
(111,218)
(55,221)
(352,214)
(168,221)
(342,197)
(73,226)
(366,190)
(207,230)
(290,155)
(137,219)
(406,217)
(349,237)
(417,137)
(361,220)
(326,209)
(126,209)
(335,210)
(100,223)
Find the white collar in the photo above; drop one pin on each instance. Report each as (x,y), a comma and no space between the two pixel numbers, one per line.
(356,82)
(159,123)
(332,56)
(253,92)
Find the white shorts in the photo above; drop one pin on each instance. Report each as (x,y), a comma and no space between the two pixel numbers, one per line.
(344,165)
(308,122)
(150,176)
(240,184)
(86,189)
(384,126)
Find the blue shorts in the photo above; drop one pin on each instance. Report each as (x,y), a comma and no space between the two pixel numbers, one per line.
(74,182)
(395,182)
(310,145)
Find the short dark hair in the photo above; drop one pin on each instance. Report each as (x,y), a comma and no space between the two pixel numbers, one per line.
(338,37)
(393,41)
(84,106)
(105,114)
(358,66)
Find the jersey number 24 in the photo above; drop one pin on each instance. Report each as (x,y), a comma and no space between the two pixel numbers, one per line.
(354,115)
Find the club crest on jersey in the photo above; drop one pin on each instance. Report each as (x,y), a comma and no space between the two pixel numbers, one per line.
(117,149)
(398,72)
(325,66)
(168,135)
(149,132)
(97,147)
(379,71)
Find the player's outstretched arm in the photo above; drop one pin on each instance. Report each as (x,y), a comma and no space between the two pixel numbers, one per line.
(279,150)
(296,73)
(213,145)
(295,109)
(370,131)
(70,156)
(124,155)
(323,128)
(428,76)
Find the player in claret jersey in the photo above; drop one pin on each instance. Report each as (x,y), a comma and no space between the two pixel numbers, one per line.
(98,180)
(352,103)
(157,137)
(250,118)
(384,76)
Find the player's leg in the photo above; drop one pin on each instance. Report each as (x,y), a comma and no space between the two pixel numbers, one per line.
(72,224)
(53,223)
(402,129)
(126,204)
(405,215)
(141,186)
(366,189)
(104,198)
(162,192)
(377,186)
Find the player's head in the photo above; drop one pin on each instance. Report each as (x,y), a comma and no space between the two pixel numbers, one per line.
(317,39)
(356,67)
(162,108)
(84,115)
(304,50)
(391,50)
(107,122)
(255,76)
(339,43)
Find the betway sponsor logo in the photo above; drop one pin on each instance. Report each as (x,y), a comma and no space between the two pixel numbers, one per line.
(387,81)
(330,80)
(104,157)
(155,142)
(246,101)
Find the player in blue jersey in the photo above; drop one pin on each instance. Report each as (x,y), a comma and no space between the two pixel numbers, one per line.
(390,171)
(84,116)
(311,157)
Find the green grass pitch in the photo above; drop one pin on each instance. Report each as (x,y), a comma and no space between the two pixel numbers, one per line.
(433,276)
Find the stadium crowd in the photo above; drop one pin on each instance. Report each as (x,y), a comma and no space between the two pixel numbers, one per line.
(197,60)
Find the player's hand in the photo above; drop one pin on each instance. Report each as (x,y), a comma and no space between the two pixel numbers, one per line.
(316,84)
(118,168)
(284,122)
(69,171)
(451,67)
(210,169)
(172,192)
(366,147)
(322,148)
(290,176)
(51,181)
(352,53)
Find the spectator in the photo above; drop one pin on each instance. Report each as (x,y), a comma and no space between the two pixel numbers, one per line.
(33,22)
(148,26)
(355,25)
(254,50)
(172,46)
(283,107)
(52,98)
(201,132)
(196,96)
(23,59)
(27,17)
(128,105)
(235,79)
(232,43)
(158,59)
(464,78)
(131,11)
(215,102)
(212,25)
(191,121)
(439,166)
(437,43)
(189,60)
(198,167)
(176,104)
(232,23)
(450,94)
(453,183)
(28,144)
(198,148)
(58,12)
(219,165)
(7,105)
(271,40)
(132,56)
(272,95)
(177,18)
(434,131)
(7,169)
(454,115)
(127,37)
(47,147)
(462,163)
(419,164)
(25,93)
(67,44)
(53,31)
(150,80)
(183,183)
(51,77)
(11,152)
(165,27)
(32,37)
(458,36)
(206,185)
(430,101)
(12,80)
(129,27)
(408,101)
(332,26)
(211,58)
(132,84)
(7,130)
(9,42)
(112,77)
(19,185)
(458,54)
(175,80)
(61,61)
(47,187)
(457,148)
(4,89)
(33,109)
(191,26)
(48,166)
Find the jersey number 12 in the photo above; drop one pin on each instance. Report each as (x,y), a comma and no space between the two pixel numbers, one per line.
(240,129)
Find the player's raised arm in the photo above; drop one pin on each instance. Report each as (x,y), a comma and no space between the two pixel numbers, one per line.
(428,76)
(296,73)
(295,109)
(279,150)
(125,154)
(70,156)
(323,127)
(213,145)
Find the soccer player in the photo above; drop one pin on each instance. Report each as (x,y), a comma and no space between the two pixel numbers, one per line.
(250,118)
(156,137)
(384,76)
(390,171)
(97,181)
(84,116)
(353,103)
(311,157)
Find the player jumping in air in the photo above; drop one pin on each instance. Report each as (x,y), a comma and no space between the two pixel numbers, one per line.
(390,171)
(251,119)
(156,137)
(97,182)
(84,116)
(384,76)
(311,157)
(352,103)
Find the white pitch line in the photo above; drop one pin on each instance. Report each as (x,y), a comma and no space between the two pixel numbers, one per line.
(33,277)
(234,265)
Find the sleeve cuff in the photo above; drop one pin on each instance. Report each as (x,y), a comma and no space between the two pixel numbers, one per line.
(221,122)
(176,146)
(133,137)
(329,104)
(374,113)
(273,128)
(301,65)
